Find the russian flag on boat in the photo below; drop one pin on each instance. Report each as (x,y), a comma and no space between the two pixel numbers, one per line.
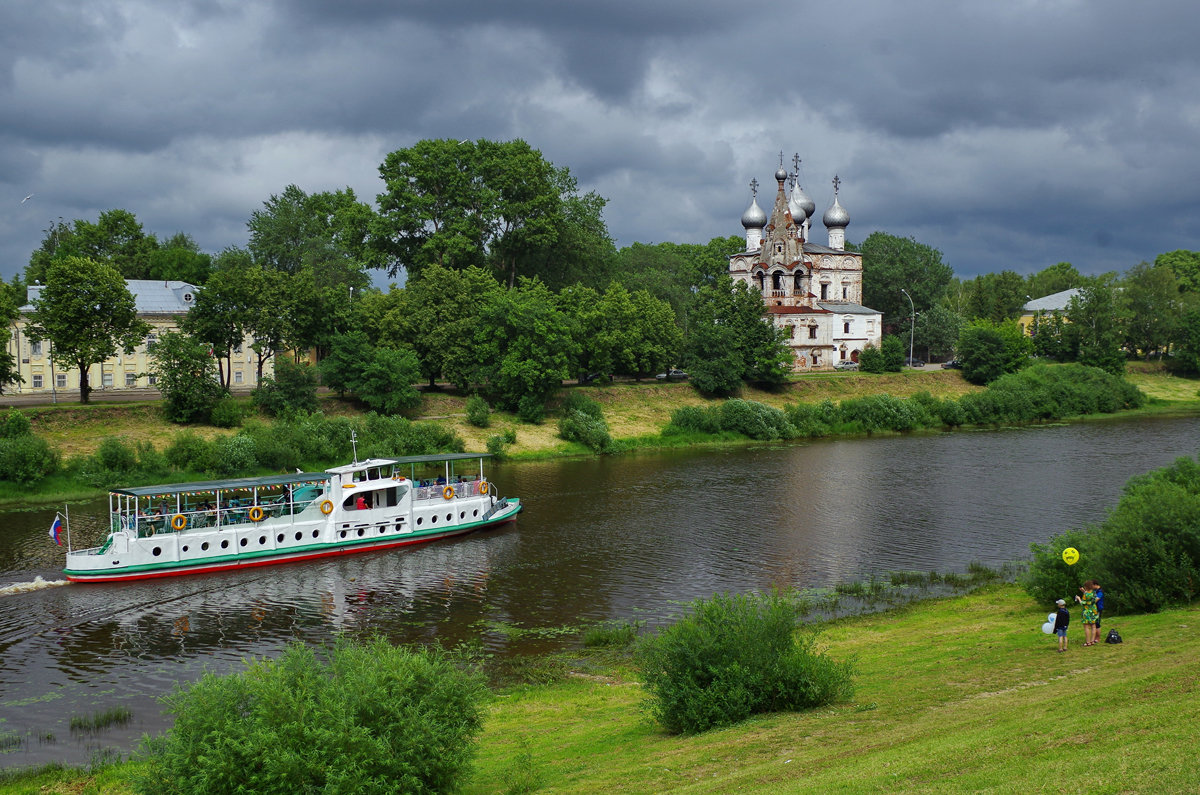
(56,530)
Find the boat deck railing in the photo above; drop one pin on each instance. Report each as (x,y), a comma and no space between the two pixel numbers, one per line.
(432,490)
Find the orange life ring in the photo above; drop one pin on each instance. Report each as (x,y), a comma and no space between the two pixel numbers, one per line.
(448,492)
(256,514)
(483,487)
(327,507)
(179,521)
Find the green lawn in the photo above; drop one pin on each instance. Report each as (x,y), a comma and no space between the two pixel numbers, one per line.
(958,695)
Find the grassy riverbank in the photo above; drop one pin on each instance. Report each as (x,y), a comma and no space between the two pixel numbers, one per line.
(635,411)
(963,694)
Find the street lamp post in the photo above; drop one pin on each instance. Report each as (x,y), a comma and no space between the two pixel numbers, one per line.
(912,326)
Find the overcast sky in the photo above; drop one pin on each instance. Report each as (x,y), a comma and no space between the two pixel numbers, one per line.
(1012,135)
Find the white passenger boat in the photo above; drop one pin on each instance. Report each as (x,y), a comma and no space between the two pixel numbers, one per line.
(191,528)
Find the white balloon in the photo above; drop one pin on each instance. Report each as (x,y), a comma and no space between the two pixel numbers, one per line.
(1051,617)
(1048,627)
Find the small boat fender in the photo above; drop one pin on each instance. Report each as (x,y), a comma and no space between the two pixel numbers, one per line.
(327,507)
(448,492)
(179,521)
(256,514)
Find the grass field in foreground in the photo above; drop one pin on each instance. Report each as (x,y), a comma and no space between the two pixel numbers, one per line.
(963,694)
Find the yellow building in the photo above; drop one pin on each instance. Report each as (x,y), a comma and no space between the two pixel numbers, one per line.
(1053,304)
(162,304)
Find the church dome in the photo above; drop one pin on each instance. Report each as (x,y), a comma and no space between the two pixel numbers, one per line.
(836,216)
(803,199)
(754,217)
(781,174)
(797,210)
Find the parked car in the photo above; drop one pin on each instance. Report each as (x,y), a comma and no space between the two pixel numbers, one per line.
(845,364)
(953,364)
(672,375)
(913,362)
(591,378)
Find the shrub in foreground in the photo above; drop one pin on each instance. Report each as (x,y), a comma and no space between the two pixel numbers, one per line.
(731,657)
(370,718)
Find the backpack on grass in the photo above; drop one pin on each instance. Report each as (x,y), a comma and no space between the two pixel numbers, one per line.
(1113,637)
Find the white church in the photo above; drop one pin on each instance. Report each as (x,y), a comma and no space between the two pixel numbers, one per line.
(811,291)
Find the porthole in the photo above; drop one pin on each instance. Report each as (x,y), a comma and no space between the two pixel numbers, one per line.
(262,540)
(225,544)
(156,551)
(449,517)
(244,541)
(420,519)
(433,519)
(382,530)
(475,512)
(341,534)
(299,535)
(315,533)
(185,547)
(462,515)
(204,546)
(279,538)
(361,530)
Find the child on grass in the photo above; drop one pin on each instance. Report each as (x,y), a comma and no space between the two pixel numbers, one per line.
(1062,618)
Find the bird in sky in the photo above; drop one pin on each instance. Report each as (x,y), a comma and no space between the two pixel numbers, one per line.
(27,198)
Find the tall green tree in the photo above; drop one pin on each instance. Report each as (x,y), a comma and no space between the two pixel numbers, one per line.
(937,331)
(187,376)
(996,296)
(729,340)
(219,315)
(87,313)
(1154,307)
(893,263)
(482,203)
(10,303)
(116,238)
(1093,333)
(179,258)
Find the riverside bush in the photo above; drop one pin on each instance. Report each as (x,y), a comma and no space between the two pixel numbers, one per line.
(478,412)
(26,459)
(369,718)
(1145,554)
(590,431)
(756,420)
(731,657)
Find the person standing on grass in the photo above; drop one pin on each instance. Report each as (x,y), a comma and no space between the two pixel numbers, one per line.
(1062,619)
(1088,600)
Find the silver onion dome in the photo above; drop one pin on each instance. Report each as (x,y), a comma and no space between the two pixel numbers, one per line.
(781,174)
(803,199)
(836,216)
(754,217)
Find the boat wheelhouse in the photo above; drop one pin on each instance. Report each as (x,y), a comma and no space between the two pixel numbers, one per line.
(189,528)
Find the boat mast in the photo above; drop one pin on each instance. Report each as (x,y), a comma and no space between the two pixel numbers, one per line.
(354,446)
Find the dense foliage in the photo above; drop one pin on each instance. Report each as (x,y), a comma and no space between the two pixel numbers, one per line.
(1145,554)
(292,389)
(731,657)
(583,421)
(361,718)
(1041,392)
(187,377)
(24,458)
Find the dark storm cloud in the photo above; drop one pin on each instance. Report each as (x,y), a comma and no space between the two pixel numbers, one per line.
(1010,135)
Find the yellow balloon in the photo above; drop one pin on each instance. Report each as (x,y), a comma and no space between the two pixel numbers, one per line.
(1070,556)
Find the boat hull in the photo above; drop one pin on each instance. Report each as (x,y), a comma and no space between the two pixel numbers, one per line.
(314,551)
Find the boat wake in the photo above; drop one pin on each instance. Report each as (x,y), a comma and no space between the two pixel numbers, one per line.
(37,584)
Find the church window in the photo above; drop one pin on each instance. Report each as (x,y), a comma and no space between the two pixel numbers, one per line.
(778,248)
(845,292)
(776,281)
(846,329)
(825,291)
(761,282)
(796,284)
(812,332)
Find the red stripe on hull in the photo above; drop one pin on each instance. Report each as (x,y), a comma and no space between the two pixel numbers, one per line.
(201,568)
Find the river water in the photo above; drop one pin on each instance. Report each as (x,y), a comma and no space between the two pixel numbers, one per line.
(607,538)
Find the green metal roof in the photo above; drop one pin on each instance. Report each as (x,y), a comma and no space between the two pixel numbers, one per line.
(224,485)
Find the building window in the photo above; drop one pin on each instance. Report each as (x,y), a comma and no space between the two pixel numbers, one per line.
(131,379)
(151,339)
(796,286)
(845,292)
(846,328)
(237,349)
(812,332)
(35,348)
(37,381)
(824,292)
(153,380)
(776,281)
(106,380)
(60,380)
(237,376)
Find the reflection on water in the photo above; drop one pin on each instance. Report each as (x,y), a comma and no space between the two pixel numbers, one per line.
(600,538)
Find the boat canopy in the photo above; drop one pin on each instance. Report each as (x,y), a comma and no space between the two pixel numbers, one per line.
(222,485)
